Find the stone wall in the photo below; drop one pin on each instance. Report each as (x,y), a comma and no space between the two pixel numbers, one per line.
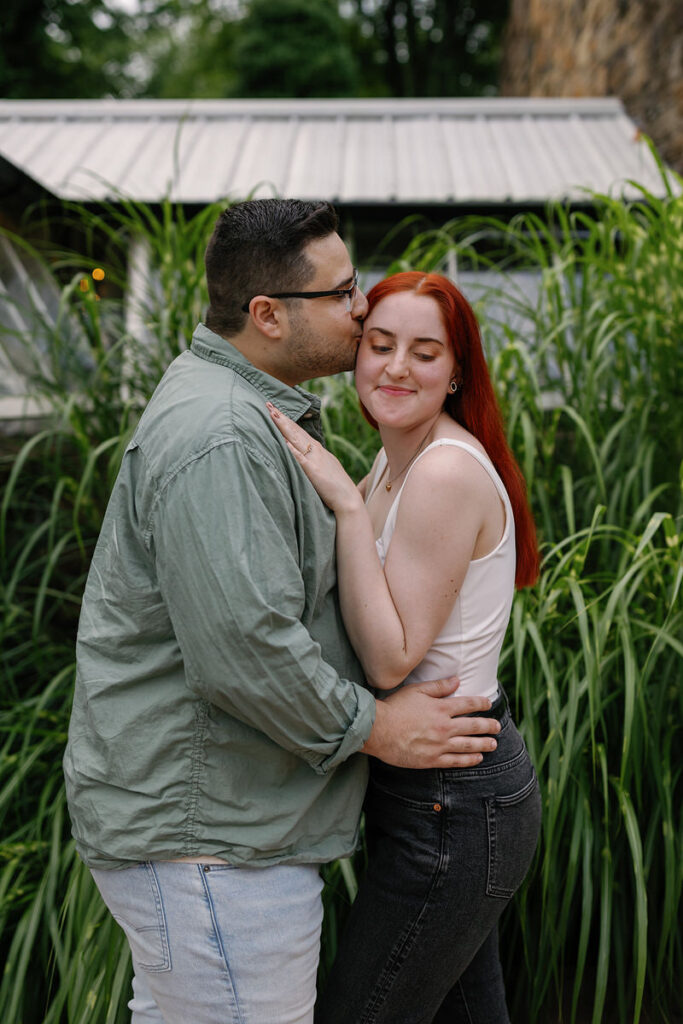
(632,49)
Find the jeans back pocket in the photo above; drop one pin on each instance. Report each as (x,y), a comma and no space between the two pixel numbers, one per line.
(514,823)
(134,898)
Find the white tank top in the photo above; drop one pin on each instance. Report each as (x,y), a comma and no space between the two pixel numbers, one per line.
(470,641)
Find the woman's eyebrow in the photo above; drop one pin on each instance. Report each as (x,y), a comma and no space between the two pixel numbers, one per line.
(390,334)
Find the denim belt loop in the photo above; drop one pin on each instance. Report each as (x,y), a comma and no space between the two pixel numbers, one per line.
(499,708)
(502,694)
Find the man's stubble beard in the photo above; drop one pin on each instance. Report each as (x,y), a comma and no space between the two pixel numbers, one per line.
(312,355)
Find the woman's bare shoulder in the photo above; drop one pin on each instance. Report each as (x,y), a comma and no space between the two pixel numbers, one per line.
(445,478)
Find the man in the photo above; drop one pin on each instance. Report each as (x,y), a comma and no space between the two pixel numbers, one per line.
(212,762)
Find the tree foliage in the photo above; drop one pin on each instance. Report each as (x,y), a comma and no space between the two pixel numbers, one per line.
(53,48)
(428,47)
(250,48)
(294,48)
(192,57)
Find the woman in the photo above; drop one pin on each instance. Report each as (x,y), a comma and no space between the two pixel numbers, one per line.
(430,547)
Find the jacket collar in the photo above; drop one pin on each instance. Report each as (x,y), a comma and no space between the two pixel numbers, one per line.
(294,402)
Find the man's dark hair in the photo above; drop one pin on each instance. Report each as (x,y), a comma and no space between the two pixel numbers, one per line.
(256,249)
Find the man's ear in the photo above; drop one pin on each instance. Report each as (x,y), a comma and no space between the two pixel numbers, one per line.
(269,316)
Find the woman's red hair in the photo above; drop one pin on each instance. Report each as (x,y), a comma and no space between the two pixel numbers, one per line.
(474,404)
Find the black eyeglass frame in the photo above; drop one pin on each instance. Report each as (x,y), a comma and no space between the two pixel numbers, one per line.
(339,292)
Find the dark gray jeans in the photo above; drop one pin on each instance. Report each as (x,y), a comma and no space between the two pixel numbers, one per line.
(447,850)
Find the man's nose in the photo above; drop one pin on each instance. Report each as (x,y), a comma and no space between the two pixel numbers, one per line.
(359,307)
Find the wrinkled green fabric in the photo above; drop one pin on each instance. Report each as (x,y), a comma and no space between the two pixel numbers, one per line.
(218,707)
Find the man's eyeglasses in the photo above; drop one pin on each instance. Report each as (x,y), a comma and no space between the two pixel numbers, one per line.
(347,293)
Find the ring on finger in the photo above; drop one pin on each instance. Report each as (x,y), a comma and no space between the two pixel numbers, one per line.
(309,450)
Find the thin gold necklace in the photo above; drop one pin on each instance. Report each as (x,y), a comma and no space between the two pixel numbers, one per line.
(387,486)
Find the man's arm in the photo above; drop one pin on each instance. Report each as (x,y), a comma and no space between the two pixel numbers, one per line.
(228,554)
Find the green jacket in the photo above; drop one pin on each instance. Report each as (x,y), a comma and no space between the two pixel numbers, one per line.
(218,707)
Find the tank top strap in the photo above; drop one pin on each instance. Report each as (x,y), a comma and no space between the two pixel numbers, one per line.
(483,460)
(376,473)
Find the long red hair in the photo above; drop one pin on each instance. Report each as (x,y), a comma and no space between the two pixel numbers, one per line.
(474,404)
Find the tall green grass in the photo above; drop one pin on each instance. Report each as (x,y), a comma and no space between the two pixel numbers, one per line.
(588,372)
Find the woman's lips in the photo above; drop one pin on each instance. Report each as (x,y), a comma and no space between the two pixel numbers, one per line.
(387,390)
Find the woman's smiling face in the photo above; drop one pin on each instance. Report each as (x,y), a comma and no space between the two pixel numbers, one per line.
(405,360)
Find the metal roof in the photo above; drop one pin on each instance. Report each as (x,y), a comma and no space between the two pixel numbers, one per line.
(464,151)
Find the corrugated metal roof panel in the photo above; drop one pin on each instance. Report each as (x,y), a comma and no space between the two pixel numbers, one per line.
(264,160)
(351,151)
(362,172)
(210,162)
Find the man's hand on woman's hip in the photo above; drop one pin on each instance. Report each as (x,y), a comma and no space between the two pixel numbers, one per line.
(415,728)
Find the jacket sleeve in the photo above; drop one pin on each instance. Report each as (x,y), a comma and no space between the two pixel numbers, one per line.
(227,554)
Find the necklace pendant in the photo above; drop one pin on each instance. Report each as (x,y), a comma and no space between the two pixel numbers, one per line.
(387,487)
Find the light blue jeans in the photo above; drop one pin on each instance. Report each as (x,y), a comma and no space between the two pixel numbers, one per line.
(216,944)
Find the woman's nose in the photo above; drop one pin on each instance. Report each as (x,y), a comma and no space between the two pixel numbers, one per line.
(397,365)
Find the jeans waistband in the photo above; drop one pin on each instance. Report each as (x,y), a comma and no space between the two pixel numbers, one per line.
(497,710)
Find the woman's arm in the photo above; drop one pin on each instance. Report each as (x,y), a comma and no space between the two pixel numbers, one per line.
(392,615)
